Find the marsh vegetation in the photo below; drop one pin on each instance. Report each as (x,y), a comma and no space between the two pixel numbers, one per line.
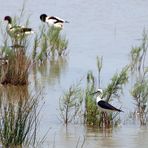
(19,107)
(19,116)
(139,74)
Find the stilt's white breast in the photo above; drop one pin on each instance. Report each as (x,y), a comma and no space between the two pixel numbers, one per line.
(98,99)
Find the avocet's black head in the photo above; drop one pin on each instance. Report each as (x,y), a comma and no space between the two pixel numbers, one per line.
(43,17)
(8,18)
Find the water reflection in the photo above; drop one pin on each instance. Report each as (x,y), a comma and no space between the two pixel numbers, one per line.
(49,72)
(74,135)
(13,93)
(93,132)
(81,135)
(141,138)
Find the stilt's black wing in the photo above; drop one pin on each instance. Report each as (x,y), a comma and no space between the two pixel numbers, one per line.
(106,105)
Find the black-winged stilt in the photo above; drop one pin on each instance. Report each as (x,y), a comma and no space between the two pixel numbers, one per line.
(103,105)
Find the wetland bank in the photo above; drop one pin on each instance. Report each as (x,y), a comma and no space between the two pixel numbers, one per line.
(113,35)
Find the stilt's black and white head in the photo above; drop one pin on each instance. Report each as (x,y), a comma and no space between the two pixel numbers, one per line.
(43,17)
(99,93)
(103,105)
(8,18)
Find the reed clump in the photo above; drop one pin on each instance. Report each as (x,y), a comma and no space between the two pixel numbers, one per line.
(18,122)
(91,110)
(70,104)
(16,67)
(16,63)
(57,42)
(51,43)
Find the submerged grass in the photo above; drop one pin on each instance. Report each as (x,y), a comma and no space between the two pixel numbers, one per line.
(70,104)
(91,110)
(139,73)
(52,43)
(57,42)
(18,122)
(116,86)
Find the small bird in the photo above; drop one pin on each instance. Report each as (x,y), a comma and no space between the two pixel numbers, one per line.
(103,105)
(17,30)
(53,20)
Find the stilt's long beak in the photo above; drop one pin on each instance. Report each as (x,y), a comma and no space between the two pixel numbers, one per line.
(94,93)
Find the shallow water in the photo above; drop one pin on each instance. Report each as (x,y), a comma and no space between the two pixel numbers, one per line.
(97,28)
